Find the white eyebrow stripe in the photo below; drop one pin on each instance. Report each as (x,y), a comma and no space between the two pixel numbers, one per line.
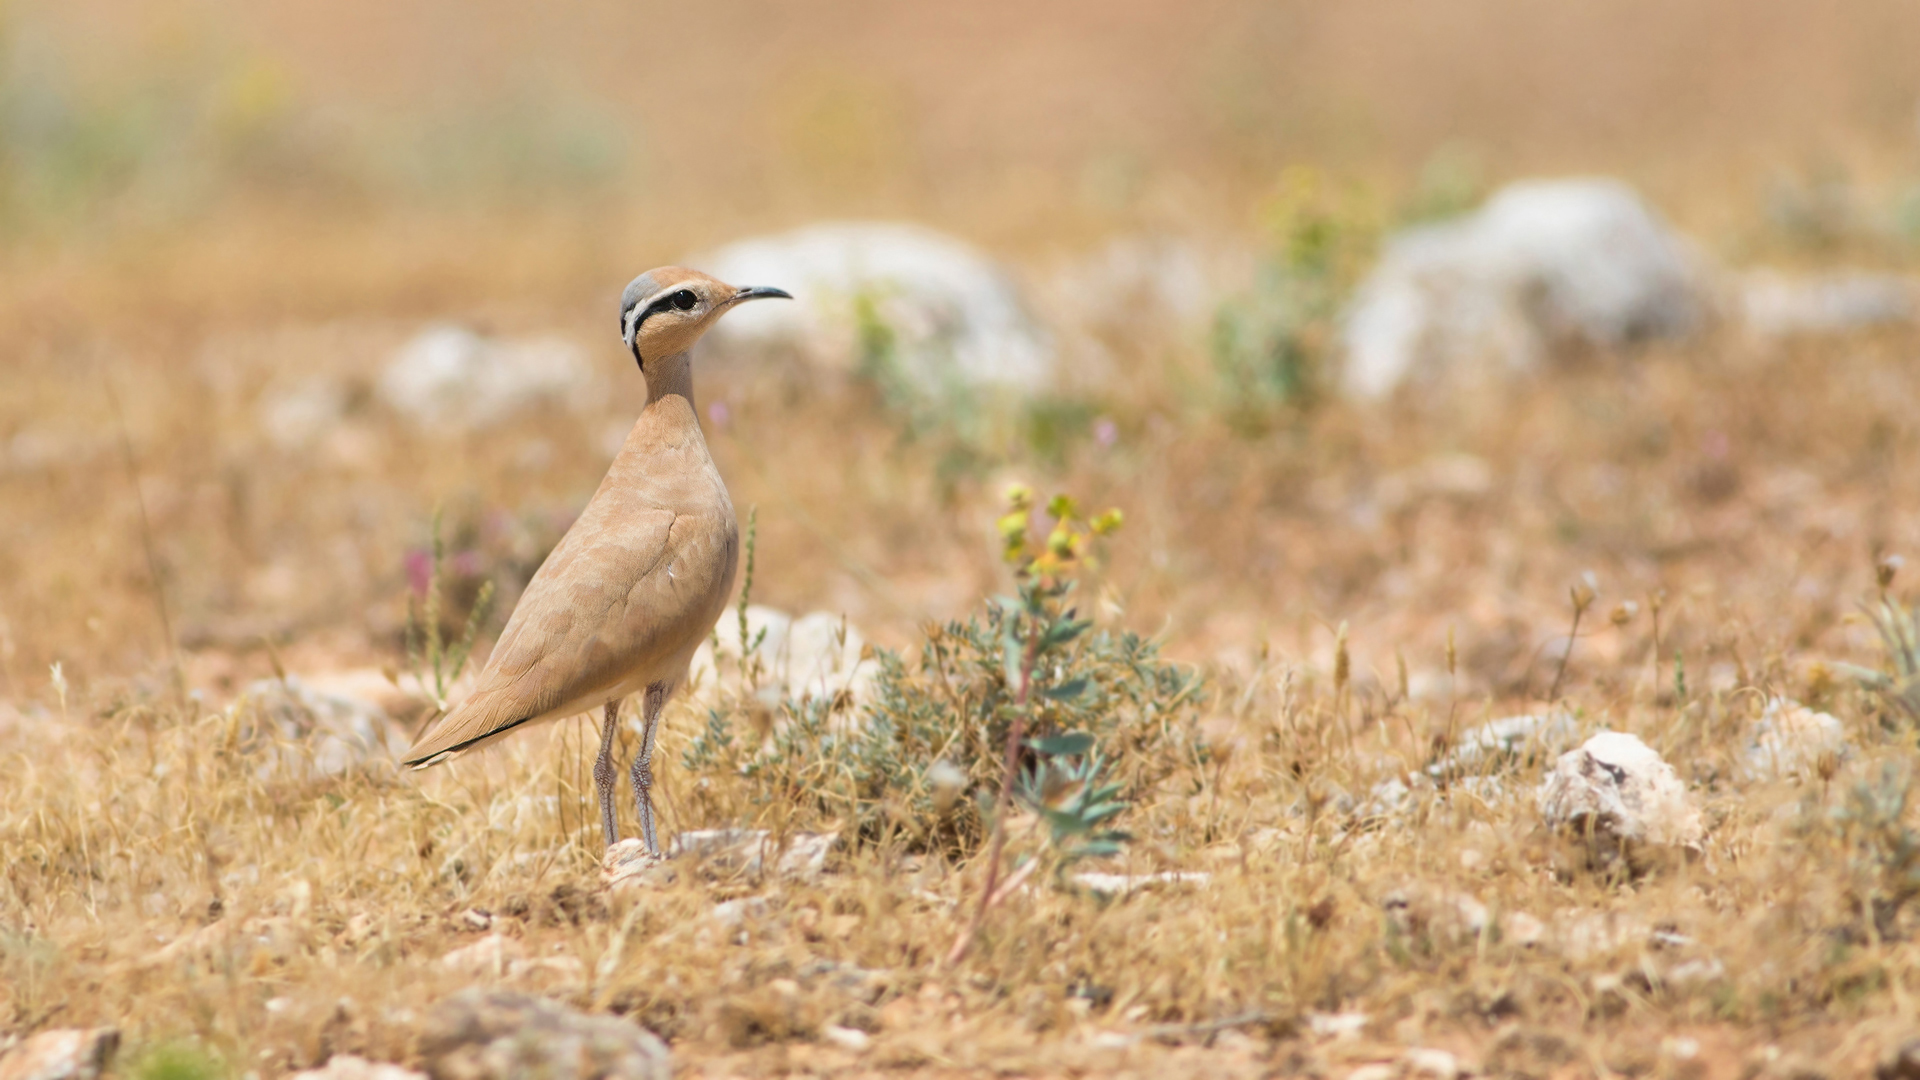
(637,314)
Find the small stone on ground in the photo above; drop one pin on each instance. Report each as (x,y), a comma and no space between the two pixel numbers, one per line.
(503,1035)
(66,1054)
(349,1067)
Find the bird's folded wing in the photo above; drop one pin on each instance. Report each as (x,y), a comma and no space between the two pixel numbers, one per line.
(596,610)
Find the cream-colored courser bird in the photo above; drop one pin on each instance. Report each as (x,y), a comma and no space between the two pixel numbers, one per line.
(640,579)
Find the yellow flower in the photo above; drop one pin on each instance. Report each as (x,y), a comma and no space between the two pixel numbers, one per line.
(1013,527)
(1061,543)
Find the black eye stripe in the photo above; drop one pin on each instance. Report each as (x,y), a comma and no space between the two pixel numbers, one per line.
(684,300)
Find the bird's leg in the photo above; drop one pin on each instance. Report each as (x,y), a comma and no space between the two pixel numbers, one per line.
(655,700)
(604,772)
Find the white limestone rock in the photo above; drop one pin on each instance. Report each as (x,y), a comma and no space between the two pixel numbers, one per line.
(818,655)
(61,1054)
(1617,792)
(1526,737)
(349,1067)
(1776,304)
(953,319)
(1792,741)
(303,730)
(719,853)
(503,1035)
(450,377)
(1544,264)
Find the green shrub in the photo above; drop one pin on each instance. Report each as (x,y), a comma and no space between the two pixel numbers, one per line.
(1273,347)
(1896,689)
(178,1061)
(919,759)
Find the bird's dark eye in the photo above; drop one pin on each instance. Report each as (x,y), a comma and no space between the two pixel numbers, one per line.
(684,299)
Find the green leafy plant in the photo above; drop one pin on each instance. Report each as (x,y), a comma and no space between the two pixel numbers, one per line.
(910,762)
(1897,687)
(1068,789)
(1038,623)
(1272,347)
(971,426)
(1882,851)
(181,1060)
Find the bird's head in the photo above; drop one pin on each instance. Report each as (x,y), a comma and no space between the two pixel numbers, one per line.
(664,311)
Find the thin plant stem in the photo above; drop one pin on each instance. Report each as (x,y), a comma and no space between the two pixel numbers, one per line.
(146,539)
(1573,635)
(1010,765)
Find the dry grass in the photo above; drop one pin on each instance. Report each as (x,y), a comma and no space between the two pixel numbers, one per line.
(134,821)
(153,876)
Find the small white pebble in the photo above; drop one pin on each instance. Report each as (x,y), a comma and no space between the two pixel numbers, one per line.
(1434,1064)
(846,1038)
(1680,1047)
(1336,1025)
(1522,929)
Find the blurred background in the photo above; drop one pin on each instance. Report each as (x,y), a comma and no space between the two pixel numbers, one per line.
(280,280)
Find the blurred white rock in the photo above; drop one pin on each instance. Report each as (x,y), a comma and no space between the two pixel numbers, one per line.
(955,318)
(1473,765)
(1131,279)
(400,695)
(37,449)
(1544,263)
(1150,291)
(61,1054)
(1776,304)
(492,1034)
(1344,1025)
(499,957)
(746,850)
(817,655)
(852,1040)
(1460,477)
(1618,791)
(1431,1064)
(720,853)
(299,413)
(448,376)
(349,1067)
(1425,910)
(491,955)
(310,732)
(1122,884)
(1791,740)
(1522,930)
(1531,736)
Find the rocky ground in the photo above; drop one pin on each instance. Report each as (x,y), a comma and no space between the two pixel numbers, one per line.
(1504,664)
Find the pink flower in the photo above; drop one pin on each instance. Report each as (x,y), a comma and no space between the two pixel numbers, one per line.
(419,566)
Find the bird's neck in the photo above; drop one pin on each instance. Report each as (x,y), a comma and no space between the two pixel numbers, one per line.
(668,377)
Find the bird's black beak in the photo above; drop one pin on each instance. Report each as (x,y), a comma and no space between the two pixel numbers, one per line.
(760,292)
